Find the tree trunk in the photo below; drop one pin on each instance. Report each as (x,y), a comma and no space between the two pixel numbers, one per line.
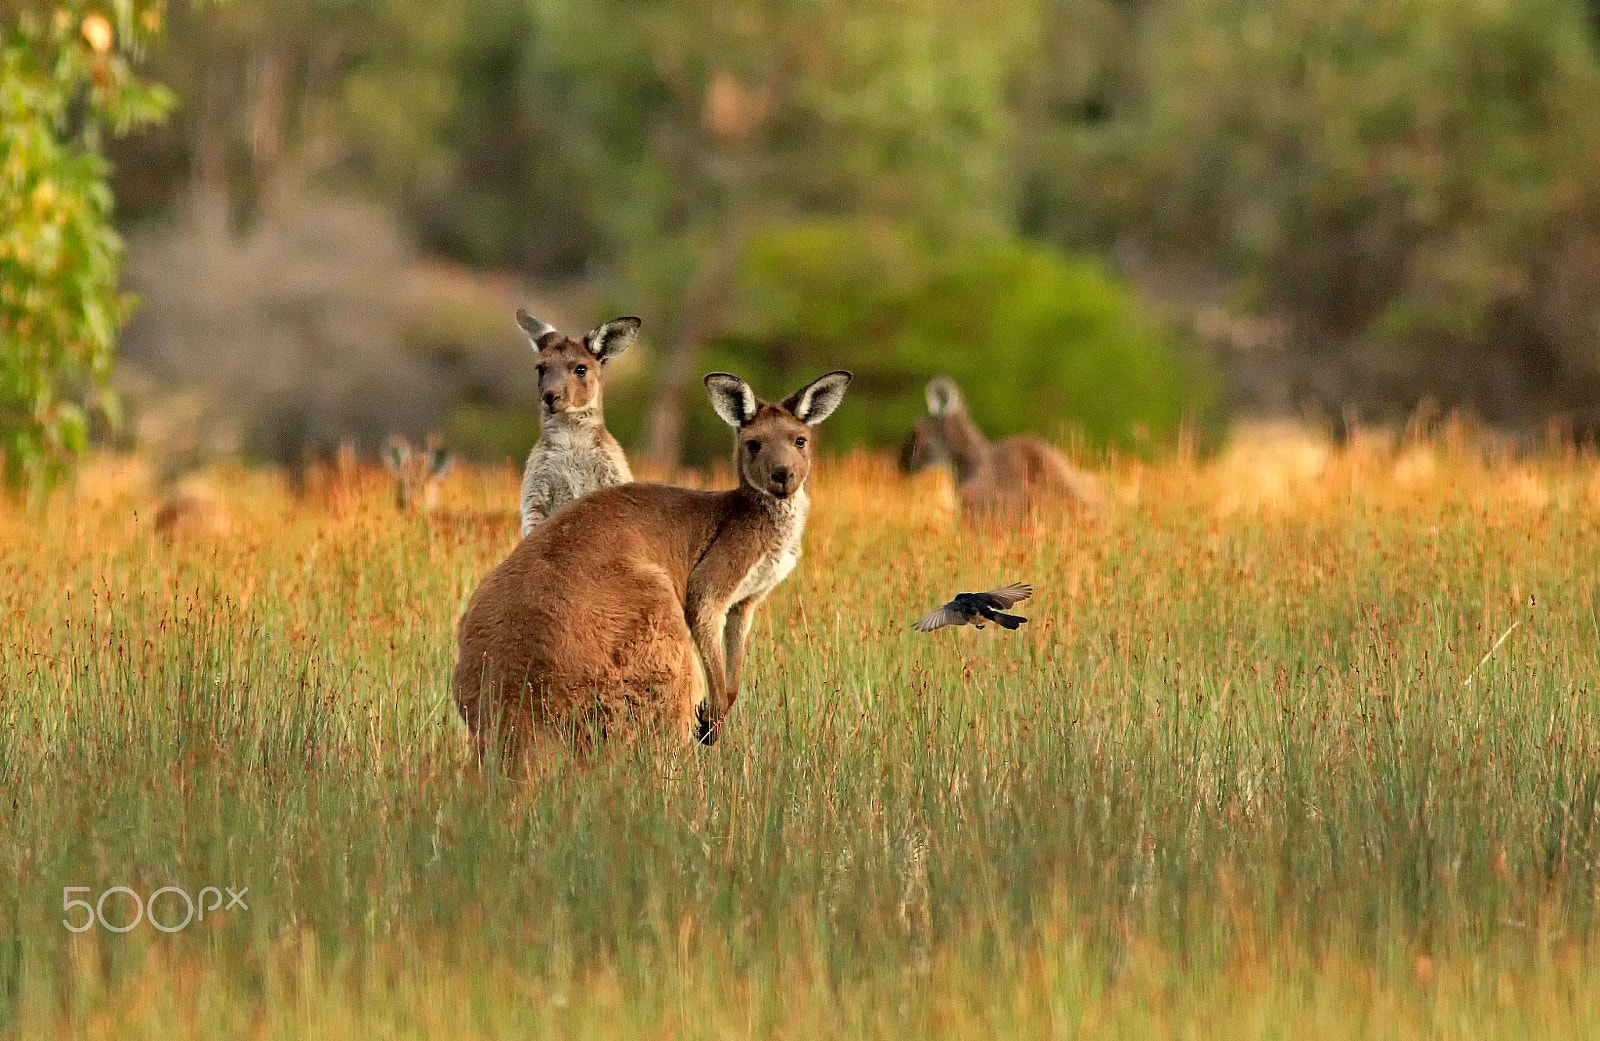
(704,301)
(208,173)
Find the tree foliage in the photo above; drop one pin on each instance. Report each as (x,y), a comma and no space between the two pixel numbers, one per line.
(66,81)
(1407,188)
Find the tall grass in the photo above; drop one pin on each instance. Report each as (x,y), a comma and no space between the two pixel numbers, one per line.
(1285,750)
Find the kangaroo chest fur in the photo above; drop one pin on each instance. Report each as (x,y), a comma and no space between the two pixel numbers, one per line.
(569,462)
(773,566)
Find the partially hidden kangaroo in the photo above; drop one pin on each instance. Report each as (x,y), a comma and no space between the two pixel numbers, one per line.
(419,473)
(605,615)
(575,454)
(994,480)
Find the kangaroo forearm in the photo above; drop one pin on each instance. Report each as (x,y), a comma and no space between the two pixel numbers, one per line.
(706,608)
(707,629)
(735,630)
(733,647)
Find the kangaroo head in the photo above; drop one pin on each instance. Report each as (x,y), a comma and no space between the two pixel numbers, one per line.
(418,473)
(944,397)
(772,449)
(569,369)
(945,434)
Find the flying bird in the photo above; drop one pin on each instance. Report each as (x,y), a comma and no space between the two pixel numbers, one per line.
(978,608)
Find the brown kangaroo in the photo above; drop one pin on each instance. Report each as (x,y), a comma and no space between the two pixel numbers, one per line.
(1001,480)
(575,454)
(419,473)
(192,511)
(605,614)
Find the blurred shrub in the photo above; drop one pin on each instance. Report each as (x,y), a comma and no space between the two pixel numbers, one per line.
(66,81)
(295,328)
(1038,341)
(321,328)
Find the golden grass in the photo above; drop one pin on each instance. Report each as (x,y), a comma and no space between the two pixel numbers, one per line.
(1301,741)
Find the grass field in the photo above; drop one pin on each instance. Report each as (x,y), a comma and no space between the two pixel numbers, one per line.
(1292,747)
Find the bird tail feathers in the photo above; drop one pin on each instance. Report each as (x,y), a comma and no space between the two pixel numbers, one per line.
(1010,621)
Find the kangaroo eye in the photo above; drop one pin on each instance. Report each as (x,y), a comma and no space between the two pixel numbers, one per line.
(752,447)
(582,370)
(799,442)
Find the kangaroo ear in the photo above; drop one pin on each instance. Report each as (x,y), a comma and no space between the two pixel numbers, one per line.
(396,452)
(612,338)
(439,463)
(732,397)
(943,396)
(535,329)
(816,401)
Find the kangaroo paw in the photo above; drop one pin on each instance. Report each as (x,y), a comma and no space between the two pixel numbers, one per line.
(705,729)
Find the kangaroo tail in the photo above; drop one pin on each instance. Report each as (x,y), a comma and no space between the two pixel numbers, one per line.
(1010,621)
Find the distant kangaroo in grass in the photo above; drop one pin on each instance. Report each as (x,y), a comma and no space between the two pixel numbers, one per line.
(605,614)
(575,454)
(193,511)
(419,472)
(994,480)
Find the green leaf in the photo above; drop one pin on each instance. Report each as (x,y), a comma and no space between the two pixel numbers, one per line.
(60,256)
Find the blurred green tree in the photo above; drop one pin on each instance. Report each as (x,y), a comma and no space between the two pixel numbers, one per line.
(1407,188)
(67,80)
(281,95)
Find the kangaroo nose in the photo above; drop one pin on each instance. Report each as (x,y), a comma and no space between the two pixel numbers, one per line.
(550,401)
(780,475)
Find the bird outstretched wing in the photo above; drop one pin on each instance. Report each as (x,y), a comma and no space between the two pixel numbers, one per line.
(1008,596)
(938,620)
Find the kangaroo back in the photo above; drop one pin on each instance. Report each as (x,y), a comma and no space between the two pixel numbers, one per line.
(993,481)
(1040,475)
